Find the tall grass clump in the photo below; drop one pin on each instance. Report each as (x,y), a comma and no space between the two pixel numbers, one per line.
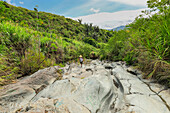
(150,40)
(24,51)
(145,43)
(152,43)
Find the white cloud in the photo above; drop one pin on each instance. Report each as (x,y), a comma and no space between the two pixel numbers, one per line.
(132,2)
(21,2)
(8,1)
(94,10)
(111,20)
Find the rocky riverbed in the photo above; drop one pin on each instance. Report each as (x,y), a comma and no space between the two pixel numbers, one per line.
(97,87)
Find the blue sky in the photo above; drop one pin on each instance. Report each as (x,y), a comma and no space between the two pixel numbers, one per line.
(76,8)
(106,14)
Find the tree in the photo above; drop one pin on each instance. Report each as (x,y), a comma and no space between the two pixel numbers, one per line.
(80,21)
(2,7)
(161,5)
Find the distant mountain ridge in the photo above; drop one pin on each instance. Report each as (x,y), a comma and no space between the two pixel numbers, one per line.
(117,28)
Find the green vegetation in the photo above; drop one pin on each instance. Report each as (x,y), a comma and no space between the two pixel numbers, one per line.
(145,43)
(38,40)
(51,23)
(32,40)
(24,51)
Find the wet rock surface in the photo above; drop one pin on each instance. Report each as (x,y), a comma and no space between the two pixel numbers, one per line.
(97,87)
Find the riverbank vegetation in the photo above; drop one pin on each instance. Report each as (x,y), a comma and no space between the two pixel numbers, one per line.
(39,39)
(145,43)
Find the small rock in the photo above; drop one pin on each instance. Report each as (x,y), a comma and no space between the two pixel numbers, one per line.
(108,66)
(132,71)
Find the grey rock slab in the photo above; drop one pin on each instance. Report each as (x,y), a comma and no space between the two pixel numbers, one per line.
(145,104)
(126,86)
(61,88)
(94,94)
(78,70)
(108,66)
(95,62)
(45,76)
(99,87)
(156,87)
(140,87)
(166,96)
(81,73)
(73,75)
(132,71)
(90,68)
(60,105)
(122,74)
(16,97)
(99,67)
(25,89)
(84,75)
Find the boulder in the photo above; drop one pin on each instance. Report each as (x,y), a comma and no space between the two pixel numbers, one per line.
(92,94)
(141,97)
(109,66)
(16,97)
(96,62)
(19,94)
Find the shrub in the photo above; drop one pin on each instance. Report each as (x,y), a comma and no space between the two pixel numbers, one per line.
(33,61)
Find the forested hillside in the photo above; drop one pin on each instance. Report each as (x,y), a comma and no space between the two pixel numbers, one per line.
(51,23)
(32,40)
